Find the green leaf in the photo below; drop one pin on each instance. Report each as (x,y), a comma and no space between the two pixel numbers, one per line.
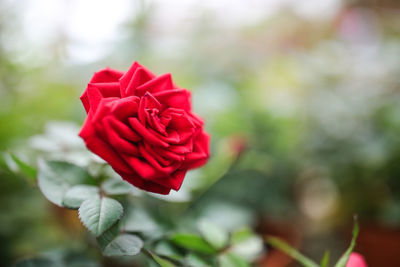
(74,196)
(108,236)
(193,242)
(98,214)
(194,260)
(231,260)
(213,234)
(116,187)
(124,245)
(138,219)
(246,244)
(36,262)
(241,234)
(162,262)
(24,168)
(55,178)
(285,247)
(345,258)
(325,259)
(165,248)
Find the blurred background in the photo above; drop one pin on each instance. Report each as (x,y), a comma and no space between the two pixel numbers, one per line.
(304,95)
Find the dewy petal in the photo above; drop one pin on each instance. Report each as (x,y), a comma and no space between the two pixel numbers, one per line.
(176,98)
(106,75)
(161,83)
(146,134)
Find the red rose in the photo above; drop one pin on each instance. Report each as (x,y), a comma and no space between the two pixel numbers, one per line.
(143,126)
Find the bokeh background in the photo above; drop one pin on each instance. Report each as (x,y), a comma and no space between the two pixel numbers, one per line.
(303,95)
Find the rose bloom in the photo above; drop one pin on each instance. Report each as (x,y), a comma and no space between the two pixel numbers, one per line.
(356,260)
(143,126)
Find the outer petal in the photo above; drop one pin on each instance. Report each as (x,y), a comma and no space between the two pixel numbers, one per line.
(201,152)
(135,76)
(106,75)
(101,148)
(145,185)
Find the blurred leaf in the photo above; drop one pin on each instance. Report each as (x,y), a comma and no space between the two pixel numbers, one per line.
(325,259)
(195,260)
(124,245)
(285,247)
(98,214)
(193,242)
(345,258)
(24,168)
(74,197)
(108,236)
(138,219)
(55,178)
(37,262)
(213,234)
(246,244)
(241,234)
(164,248)
(231,260)
(116,187)
(162,262)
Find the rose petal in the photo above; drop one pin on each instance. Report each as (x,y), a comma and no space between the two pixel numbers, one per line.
(200,153)
(110,89)
(123,130)
(146,134)
(117,142)
(106,75)
(140,76)
(176,98)
(147,102)
(164,170)
(101,148)
(145,185)
(174,181)
(126,107)
(161,83)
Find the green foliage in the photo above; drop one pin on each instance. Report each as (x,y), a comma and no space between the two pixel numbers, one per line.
(116,187)
(108,236)
(345,258)
(99,213)
(231,260)
(74,196)
(193,242)
(325,259)
(162,262)
(285,247)
(55,178)
(26,169)
(213,234)
(124,245)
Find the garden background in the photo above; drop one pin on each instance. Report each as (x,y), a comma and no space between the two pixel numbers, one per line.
(301,99)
